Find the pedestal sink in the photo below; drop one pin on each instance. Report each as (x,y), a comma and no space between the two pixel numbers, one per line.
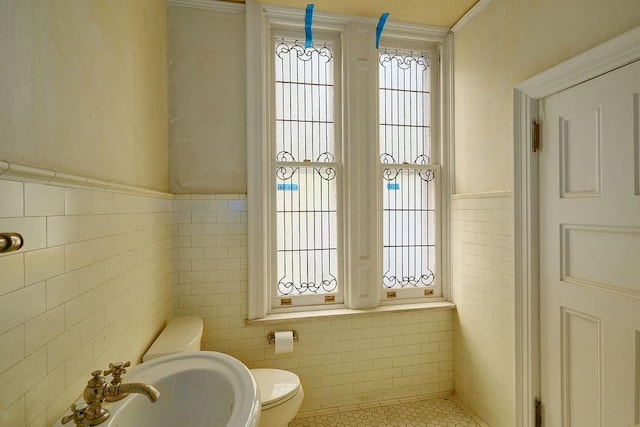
(200,389)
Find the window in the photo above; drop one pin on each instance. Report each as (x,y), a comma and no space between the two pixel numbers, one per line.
(345,182)
(409,224)
(306,171)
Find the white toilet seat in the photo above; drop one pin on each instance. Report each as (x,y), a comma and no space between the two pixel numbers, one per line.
(276,386)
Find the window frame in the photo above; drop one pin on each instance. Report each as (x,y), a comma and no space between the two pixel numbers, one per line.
(362,250)
(276,32)
(410,294)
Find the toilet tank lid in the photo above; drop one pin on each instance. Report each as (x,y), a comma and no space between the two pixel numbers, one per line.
(181,334)
(275,385)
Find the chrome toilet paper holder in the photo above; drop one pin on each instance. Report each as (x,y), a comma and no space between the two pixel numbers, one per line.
(271,337)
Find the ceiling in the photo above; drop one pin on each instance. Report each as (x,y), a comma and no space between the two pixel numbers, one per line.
(431,12)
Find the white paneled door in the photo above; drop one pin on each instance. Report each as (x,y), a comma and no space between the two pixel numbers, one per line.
(590,253)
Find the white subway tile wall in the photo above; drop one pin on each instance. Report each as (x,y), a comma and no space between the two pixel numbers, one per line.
(483,290)
(92,285)
(341,361)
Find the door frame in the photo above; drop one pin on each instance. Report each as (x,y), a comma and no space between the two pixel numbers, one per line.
(608,56)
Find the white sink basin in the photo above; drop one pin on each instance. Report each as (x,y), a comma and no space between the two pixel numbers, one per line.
(201,389)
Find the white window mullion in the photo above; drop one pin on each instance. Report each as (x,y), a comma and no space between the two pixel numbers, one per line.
(362,202)
(257,63)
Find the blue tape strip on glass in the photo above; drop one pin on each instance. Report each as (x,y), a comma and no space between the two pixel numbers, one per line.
(393,186)
(380,27)
(287,187)
(307,26)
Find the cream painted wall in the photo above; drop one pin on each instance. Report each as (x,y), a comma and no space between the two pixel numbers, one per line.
(508,42)
(83,86)
(207,108)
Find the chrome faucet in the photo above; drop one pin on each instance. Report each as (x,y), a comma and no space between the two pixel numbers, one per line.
(98,390)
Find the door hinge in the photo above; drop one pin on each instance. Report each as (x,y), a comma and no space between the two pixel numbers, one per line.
(538,408)
(535,136)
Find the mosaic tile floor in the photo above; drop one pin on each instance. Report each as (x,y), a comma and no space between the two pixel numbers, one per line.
(433,412)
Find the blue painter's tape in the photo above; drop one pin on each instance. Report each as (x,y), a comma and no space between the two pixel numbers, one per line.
(393,187)
(287,187)
(308,18)
(380,27)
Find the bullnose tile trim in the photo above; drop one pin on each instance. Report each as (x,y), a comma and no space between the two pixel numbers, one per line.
(504,193)
(17,172)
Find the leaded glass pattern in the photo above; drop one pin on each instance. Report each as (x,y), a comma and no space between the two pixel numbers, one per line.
(404,107)
(408,223)
(408,178)
(304,101)
(306,170)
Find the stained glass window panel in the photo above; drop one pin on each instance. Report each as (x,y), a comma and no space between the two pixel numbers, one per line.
(404,107)
(304,102)
(307,236)
(409,193)
(409,224)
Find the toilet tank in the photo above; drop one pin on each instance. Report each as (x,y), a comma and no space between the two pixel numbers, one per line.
(181,334)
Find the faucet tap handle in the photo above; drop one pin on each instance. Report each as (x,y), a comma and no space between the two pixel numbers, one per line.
(96,378)
(94,394)
(79,415)
(117,370)
(94,391)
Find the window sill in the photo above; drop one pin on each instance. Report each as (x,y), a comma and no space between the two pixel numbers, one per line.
(276,318)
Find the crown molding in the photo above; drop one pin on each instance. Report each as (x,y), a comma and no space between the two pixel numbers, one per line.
(477,8)
(219,6)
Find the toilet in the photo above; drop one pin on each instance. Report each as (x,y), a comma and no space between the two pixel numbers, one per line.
(281,393)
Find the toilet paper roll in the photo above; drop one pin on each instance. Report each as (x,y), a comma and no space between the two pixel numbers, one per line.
(284,342)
